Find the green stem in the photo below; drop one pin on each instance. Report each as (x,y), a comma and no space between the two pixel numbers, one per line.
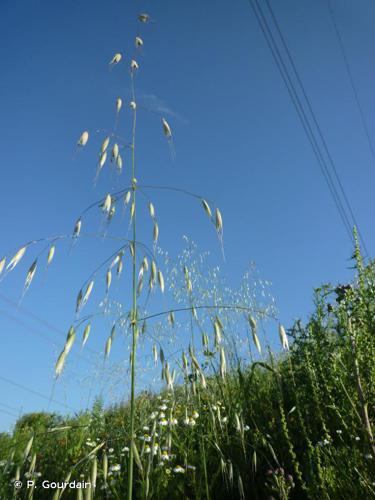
(134,321)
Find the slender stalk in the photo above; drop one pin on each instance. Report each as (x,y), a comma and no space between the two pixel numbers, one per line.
(134,321)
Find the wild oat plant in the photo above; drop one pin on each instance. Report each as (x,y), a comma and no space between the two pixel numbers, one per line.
(229,417)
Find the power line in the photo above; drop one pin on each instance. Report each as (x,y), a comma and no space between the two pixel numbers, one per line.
(329,156)
(268,35)
(351,80)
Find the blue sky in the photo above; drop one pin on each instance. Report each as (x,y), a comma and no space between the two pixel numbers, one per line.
(237,138)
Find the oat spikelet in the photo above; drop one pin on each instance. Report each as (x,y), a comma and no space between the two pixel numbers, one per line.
(145,263)
(79,300)
(88,292)
(218,221)
(16,258)
(86,333)
(218,333)
(82,141)
(166,128)
(105,467)
(127,198)
(77,228)
(207,208)
(30,274)
(102,159)
(156,233)
(108,280)
(107,203)
(171,318)
(133,105)
(131,249)
(134,65)
(120,266)
(151,209)
(161,281)
(132,211)
(104,145)
(283,338)
(115,59)
(2,264)
(108,345)
(51,253)
(118,104)
(223,363)
(253,326)
(60,363)
(115,152)
(70,340)
(143,18)
(119,162)
(138,41)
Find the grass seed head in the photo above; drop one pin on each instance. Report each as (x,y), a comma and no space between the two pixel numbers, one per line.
(283,338)
(107,203)
(102,159)
(119,163)
(104,145)
(143,18)
(138,42)
(108,279)
(60,363)
(82,141)
(108,346)
(2,264)
(51,253)
(118,104)
(127,197)
(16,258)
(166,128)
(115,152)
(86,333)
(161,280)
(30,274)
(77,228)
(115,59)
(133,105)
(207,208)
(156,232)
(218,221)
(151,209)
(134,65)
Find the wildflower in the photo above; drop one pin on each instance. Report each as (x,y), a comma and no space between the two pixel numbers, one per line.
(186,421)
(163,422)
(173,421)
(368,456)
(165,456)
(163,407)
(339,431)
(161,415)
(357,438)
(179,470)
(192,422)
(146,428)
(195,414)
(115,468)
(147,449)
(153,415)
(125,448)
(224,420)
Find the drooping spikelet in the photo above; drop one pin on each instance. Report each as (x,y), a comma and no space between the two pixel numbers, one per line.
(143,18)
(156,232)
(77,228)
(115,59)
(253,326)
(223,363)
(104,145)
(115,152)
(166,128)
(138,41)
(151,209)
(133,105)
(30,274)
(127,198)
(108,280)
(283,338)
(207,208)
(2,264)
(218,221)
(86,333)
(134,65)
(51,253)
(16,258)
(82,141)
(118,104)
(107,203)
(161,280)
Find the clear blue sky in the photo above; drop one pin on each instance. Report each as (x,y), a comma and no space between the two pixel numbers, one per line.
(237,137)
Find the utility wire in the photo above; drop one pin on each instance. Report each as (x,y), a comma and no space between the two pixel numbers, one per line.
(329,156)
(351,79)
(262,21)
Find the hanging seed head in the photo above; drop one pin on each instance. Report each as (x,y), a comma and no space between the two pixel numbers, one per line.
(223,363)
(77,228)
(127,197)
(140,286)
(88,292)
(115,59)
(138,41)
(256,341)
(102,159)
(253,323)
(82,141)
(132,211)
(107,203)
(51,253)
(108,279)
(134,65)
(104,145)
(283,338)
(131,249)
(30,274)
(119,163)
(145,263)
(70,340)
(119,267)
(115,152)
(204,340)
(133,105)
(143,18)
(86,333)
(60,363)
(218,221)
(166,128)
(2,264)
(156,232)
(151,209)
(79,300)
(218,333)
(194,313)
(118,104)
(171,318)
(184,360)
(207,208)
(16,258)
(28,448)
(108,345)
(155,354)
(161,281)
